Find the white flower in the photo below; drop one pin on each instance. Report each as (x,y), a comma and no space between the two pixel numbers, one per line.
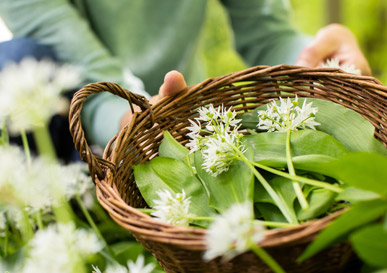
(287,116)
(233,232)
(172,209)
(59,248)
(139,266)
(96,269)
(30,92)
(116,268)
(222,140)
(75,180)
(334,63)
(219,153)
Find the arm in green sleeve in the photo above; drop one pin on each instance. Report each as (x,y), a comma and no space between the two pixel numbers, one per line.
(263,31)
(58,24)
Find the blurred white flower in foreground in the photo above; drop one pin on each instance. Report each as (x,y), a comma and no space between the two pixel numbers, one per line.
(287,116)
(334,63)
(30,92)
(233,232)
(76,181)
(40,185)
(60,248)
(172,209)
(138,267)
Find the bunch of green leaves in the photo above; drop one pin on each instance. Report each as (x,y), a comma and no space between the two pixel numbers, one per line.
(342,131)
(364,224)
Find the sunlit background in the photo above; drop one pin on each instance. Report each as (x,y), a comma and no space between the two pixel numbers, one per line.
(366,19)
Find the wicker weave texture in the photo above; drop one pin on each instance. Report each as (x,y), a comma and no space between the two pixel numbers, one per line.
(180,249)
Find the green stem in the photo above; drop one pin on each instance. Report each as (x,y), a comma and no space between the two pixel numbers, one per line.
(38,218)
(93,225)
(286,211)
(275,224)
(4,135)
(265,257)
(201,218)
(296,186)
(44,142)
(146,211)
(299,178)
(26,228)
(6,231)
(26,147)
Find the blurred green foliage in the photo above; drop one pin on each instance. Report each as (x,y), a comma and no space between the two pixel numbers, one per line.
(366,19)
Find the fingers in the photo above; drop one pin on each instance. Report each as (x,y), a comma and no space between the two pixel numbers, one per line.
(323,47)
(173,83)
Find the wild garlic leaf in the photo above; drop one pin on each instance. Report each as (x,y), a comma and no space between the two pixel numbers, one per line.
(355,195)
(366,171)
(284,189)
(233,186)
(164,173)
(170,147)
(319,200)
(270,149)
(370,243)
(359,215)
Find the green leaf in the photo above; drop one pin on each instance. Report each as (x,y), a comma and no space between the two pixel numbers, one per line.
(347,126)
(170,147)
(359,215)
(234,186)
(282,186)
(125,251)
(270,212)
(366,171)
(267,206)
(270,149)
(163,173)
(370,243)
(354,195)
(319,200)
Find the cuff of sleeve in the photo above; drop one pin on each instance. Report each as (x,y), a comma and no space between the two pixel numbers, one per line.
(101,117)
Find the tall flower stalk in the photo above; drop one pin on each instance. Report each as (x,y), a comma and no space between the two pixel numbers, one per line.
(288,117)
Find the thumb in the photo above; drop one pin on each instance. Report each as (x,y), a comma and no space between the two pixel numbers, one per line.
(173,83)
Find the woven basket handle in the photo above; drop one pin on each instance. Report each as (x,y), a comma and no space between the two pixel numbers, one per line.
(96,163)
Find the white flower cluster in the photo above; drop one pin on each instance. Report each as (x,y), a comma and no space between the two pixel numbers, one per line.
(287,116)
(137,267)
(172,209)
(334,63)
(60,248)
(220,139)
(36,187)
(233,232)
(30,92)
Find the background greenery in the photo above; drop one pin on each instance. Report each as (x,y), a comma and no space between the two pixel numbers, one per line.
(366,19)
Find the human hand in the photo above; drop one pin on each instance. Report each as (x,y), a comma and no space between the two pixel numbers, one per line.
(173,83)
(334,41)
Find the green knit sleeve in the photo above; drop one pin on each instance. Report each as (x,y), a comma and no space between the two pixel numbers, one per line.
(263,32)
(58,24)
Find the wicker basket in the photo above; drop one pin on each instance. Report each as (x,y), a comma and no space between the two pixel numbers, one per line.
(180,249)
